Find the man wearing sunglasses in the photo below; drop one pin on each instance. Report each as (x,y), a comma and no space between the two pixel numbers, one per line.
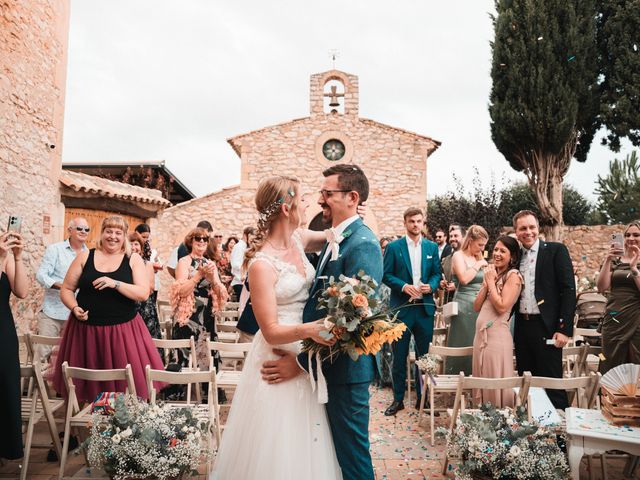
(55,263)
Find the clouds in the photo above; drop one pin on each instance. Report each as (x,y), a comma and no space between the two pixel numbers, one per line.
(167,80)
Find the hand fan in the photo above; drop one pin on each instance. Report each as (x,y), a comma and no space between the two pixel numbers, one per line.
(622,379)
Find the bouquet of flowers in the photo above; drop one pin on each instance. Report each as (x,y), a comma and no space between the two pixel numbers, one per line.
(503,444)
(350,304)
(586,284)
(430,364)
(145,441)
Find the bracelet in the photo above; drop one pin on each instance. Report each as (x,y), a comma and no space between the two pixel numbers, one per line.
(74,307)
(635,273)
(117,285)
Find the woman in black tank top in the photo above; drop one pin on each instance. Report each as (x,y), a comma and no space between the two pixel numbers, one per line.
(104,331)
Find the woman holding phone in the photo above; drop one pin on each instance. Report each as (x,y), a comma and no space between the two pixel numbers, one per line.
(13,279)
(621,324)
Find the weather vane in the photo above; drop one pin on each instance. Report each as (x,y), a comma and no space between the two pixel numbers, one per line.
(334,54)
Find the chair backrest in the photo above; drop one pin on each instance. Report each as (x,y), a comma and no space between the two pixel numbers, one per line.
(584,388)
(229,347)
(467,383)
(179,378)
(586,332)
(232,306)
(175,344)
(87,374)
(35,341)
(227,315)
(445,352)
(578,356)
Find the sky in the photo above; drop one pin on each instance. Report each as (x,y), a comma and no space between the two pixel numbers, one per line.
(152,80)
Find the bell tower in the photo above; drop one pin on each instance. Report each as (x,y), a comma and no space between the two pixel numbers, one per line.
(334,93)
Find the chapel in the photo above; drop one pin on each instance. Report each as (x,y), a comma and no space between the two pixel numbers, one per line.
(394,159)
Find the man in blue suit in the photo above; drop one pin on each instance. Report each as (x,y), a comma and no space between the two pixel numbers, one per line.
(356,248)
(412,272)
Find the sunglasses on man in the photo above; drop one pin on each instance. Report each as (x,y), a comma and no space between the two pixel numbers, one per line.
(83,229)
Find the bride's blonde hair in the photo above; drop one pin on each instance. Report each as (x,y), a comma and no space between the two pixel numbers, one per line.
(272,193)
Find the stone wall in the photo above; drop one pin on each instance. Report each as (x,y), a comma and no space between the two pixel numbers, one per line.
(33,58)
(588,245)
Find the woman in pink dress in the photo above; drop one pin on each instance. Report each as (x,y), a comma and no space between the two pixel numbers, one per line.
(493,344)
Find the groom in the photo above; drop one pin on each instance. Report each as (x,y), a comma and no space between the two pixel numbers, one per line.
(345,186)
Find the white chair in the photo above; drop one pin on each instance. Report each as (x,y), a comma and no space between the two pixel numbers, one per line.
(35,407)
(443,383)
(188,348)
(466,384)
(77,418)
(228,379)
(209,412)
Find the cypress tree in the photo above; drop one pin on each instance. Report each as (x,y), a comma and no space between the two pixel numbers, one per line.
(544,100)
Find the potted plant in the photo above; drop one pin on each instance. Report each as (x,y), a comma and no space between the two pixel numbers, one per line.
(504,445)
(144,441)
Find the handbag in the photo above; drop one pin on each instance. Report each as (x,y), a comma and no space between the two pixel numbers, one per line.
(450,309)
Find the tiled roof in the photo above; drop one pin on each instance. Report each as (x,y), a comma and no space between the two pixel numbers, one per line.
(81,182)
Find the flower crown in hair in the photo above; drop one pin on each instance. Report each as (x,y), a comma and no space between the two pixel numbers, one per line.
(272,208)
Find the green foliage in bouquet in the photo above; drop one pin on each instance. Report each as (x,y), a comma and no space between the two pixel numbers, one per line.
(504,445)
(354,316)
(147,441)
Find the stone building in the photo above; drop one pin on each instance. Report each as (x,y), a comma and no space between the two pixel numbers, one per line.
(395,160)
(33,64)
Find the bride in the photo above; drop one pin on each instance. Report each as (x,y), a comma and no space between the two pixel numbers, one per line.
(278,431)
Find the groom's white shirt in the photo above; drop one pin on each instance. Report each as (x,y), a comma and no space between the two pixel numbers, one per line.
(338,231)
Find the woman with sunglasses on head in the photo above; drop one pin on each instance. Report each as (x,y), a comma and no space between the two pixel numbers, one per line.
(104,330)
(198,291)
(620,275)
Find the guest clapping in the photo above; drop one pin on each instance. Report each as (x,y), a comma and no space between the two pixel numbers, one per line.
(13,279)
(104,330)
(467,266)
(493,344)
(621,324)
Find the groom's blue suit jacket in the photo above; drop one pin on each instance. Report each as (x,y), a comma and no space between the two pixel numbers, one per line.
(359,250)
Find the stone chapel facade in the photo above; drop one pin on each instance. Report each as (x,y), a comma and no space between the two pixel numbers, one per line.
(395,161)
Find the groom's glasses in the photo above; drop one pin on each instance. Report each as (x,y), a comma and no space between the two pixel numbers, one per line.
(328,193)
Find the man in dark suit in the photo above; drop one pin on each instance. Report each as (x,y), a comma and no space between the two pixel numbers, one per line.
(444,249)
(544,313)
(412,272)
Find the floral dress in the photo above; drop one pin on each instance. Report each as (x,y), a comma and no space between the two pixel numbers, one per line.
(149,314)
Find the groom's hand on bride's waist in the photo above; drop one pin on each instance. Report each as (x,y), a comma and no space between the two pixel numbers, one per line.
(281,370)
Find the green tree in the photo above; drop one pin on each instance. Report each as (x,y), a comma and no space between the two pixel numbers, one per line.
(482,206)
(544,96)
(618,43)
(576,208)
(619,191)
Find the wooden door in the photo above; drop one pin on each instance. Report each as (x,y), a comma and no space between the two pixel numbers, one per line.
(94,219)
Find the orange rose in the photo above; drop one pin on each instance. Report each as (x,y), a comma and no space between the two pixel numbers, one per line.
(360,301)
(333,291)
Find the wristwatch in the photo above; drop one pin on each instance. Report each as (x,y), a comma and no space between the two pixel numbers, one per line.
(117,285)
(635,273)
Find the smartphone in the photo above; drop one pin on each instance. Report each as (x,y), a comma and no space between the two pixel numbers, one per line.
(14,225)
(617,239)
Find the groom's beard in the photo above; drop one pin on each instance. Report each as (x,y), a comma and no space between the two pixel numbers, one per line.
(327,216)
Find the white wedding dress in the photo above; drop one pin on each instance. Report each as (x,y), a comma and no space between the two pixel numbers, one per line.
(278,431)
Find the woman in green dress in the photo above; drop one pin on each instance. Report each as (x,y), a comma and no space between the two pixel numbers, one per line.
(467,265)
(621,324)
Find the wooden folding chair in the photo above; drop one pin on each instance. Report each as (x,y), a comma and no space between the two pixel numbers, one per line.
(228,379)
(465,384)
(209,412)
(443,383)
(439,339)
(188,348)
(232,306)
(35,407)
(573,361)
(79,418)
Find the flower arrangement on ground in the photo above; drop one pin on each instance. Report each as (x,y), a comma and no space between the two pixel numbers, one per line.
(503,444)
(350,303)
(145,441)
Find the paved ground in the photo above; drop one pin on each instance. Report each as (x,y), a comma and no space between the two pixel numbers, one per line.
(400,449)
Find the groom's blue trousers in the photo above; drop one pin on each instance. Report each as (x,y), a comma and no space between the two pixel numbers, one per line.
(348,412)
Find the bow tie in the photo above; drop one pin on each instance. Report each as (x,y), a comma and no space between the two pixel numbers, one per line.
(334,239)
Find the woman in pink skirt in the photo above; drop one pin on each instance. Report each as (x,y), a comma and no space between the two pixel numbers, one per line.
(493,344)
(104,331)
